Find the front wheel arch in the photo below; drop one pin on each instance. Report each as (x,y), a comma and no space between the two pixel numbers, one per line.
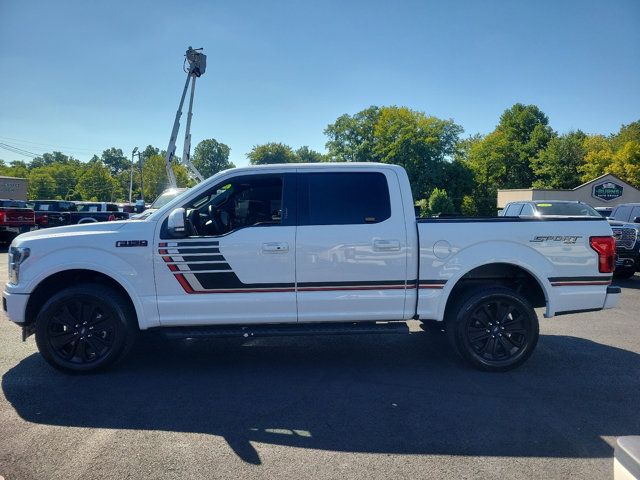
(67,278)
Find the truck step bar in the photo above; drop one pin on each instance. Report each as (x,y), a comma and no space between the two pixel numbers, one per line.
(273,330)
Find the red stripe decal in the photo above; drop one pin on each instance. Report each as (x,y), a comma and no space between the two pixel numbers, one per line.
(162,244)
(162,251)
(173,268)
(184,283)
(352,287)
(243,290)
(432,286)
(167,259)
(574,284)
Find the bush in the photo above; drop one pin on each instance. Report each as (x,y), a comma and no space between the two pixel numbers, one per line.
(439,202)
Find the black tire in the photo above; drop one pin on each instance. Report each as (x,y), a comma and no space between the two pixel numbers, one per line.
(624,273)
(85,328)
(494,329)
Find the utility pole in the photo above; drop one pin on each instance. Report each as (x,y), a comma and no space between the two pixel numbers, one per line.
(140,165)
(131,176)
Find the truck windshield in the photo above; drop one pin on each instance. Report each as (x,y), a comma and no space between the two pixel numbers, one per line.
(166,196)
(566,209)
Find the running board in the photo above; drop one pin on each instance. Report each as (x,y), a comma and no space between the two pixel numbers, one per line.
(279,330)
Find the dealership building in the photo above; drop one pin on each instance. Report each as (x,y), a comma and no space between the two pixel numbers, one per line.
(604,191)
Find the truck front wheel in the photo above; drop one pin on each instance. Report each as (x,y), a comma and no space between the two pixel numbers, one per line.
(85,328)
(494,329)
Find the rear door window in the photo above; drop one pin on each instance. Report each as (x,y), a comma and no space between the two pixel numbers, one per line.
(347,198)
(634,213)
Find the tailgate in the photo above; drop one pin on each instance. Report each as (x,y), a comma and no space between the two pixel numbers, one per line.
(17,216)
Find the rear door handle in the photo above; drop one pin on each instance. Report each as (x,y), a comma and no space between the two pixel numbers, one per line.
(275,247)
(386,245)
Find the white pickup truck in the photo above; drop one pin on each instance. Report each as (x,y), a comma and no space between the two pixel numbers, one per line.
(304,249)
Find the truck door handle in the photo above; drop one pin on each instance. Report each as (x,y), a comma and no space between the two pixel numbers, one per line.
(386,245)
(275,247)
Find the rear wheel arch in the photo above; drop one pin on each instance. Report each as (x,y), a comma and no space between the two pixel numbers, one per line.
(499,274)
(61,280)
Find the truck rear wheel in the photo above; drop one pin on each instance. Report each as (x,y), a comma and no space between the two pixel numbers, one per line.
(85,328)
(494,329)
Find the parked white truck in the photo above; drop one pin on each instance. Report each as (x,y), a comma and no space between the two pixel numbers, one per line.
(304,249)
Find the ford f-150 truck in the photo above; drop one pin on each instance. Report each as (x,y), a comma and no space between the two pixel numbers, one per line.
(15,218)
(304,249)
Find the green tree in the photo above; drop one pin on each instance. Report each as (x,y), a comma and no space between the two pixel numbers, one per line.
(504,157)
(421,144)
(97,184)
(352,138)
(115,160)
(150,151)
(626,163)
(439,202)
(50,159)
(41,184)
(211,157)
(468,206)
(155,176)
(526,130)
(307,155)
(598,157)
(18,168)
(270,153)
(557,166)
(627,133)
(423,205)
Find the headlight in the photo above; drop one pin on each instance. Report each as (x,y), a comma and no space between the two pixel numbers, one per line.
(17,255)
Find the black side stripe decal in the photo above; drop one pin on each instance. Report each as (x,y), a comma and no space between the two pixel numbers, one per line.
(601,278)
(195,244)
(202,258)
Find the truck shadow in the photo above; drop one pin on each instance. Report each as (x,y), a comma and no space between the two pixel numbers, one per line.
(633,282)
(377,394)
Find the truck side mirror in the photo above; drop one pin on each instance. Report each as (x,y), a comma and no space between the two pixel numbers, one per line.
(175,223)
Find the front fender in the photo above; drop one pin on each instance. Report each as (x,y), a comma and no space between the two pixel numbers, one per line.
(111,265)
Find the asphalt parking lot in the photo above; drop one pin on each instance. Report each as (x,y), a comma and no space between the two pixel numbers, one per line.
(327,407)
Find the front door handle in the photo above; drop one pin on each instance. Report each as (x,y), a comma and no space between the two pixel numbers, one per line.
(275,247)
(386,245)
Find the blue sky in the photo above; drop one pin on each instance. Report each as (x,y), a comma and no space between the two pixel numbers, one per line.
(82,76)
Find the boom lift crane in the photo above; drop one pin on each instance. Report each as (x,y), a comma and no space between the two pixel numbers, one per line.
(197,64)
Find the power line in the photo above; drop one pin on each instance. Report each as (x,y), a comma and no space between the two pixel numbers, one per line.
(61,147)
(19,151)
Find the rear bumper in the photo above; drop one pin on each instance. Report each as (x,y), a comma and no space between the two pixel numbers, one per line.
(626,261)
(613,297)
(15,305)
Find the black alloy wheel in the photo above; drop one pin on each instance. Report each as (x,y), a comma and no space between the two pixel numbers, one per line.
(83,329)
(494,329)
